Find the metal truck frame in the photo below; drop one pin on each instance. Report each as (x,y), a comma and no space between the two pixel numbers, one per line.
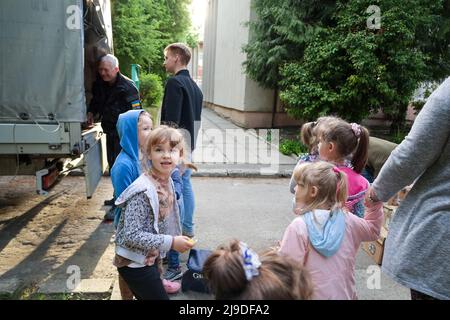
(48,55)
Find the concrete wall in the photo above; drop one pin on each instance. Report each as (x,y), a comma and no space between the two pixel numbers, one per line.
(226,88)
(209,51)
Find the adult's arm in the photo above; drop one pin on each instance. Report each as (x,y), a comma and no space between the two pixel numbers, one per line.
(420,149)
(132,98)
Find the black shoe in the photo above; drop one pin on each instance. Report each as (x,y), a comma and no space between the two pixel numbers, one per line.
(109,202)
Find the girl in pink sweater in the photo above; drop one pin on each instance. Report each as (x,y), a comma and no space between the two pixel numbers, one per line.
(325,237)
(341,140)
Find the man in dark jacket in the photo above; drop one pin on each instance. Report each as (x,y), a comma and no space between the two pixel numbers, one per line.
(113,94)
(182,107)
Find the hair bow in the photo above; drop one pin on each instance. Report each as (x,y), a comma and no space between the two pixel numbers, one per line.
(251,261)
(356,129)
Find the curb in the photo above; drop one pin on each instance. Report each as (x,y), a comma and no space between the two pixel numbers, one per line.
(230,171)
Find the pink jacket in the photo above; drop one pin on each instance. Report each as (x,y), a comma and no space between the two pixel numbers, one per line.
(333,277)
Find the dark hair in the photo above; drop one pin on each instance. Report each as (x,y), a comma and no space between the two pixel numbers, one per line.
(280,278)
(349,138)
(306,135)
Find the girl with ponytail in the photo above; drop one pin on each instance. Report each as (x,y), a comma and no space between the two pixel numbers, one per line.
(325,238)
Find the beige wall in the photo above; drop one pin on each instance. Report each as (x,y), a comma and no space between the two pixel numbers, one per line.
(224,82)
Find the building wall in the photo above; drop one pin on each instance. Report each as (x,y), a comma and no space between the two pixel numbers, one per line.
(209,51)
(226,88)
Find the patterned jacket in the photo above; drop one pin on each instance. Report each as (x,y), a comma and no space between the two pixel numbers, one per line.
(138,232)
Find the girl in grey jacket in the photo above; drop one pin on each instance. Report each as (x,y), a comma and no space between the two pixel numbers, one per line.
(149,225)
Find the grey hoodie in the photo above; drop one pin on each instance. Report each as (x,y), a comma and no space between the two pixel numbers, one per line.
(417,249)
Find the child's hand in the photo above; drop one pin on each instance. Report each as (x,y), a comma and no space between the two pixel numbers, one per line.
(371,198)
(182,243)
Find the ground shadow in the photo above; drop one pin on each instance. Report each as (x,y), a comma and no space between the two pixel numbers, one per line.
(13,226)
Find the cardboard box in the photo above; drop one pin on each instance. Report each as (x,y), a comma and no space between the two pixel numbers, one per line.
(375,248)
(389,212)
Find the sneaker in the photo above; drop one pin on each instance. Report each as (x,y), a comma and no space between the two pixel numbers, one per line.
(109,202)
(109,216)
(171,286)
(188,234)
(172,274)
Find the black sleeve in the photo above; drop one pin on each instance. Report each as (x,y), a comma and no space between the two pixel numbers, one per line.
(172,102)
(132,98)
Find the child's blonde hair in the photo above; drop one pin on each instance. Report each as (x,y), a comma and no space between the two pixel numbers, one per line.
(163,134)
(279,278)
(331,184)
(349,138)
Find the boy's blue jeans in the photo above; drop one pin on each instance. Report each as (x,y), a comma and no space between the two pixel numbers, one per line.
(186,205)
(173,257)
(189,203)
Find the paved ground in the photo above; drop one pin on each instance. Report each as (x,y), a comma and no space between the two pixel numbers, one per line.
(46,241)
(224,149)
(41,238)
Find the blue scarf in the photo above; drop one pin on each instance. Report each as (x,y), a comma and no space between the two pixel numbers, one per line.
(326,241)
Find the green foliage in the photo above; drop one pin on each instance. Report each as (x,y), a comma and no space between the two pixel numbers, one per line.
(398,136)
(280,34)
(192,39)
(143,28)
(151,90)
(433,38)
(325,59)
(289,147)
(350,70)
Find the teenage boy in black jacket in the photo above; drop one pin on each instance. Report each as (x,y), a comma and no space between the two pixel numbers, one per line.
(182,108)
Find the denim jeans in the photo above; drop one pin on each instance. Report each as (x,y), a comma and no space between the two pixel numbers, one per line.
(189,203)
(173,257)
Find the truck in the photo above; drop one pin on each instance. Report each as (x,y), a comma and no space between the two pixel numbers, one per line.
(48,62)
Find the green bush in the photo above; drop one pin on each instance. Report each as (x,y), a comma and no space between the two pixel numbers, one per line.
(151,90)
(289,147)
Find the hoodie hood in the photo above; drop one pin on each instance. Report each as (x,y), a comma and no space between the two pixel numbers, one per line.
(326,237)
(127,127)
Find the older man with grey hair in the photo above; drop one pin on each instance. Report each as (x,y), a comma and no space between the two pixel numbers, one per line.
(113,94)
